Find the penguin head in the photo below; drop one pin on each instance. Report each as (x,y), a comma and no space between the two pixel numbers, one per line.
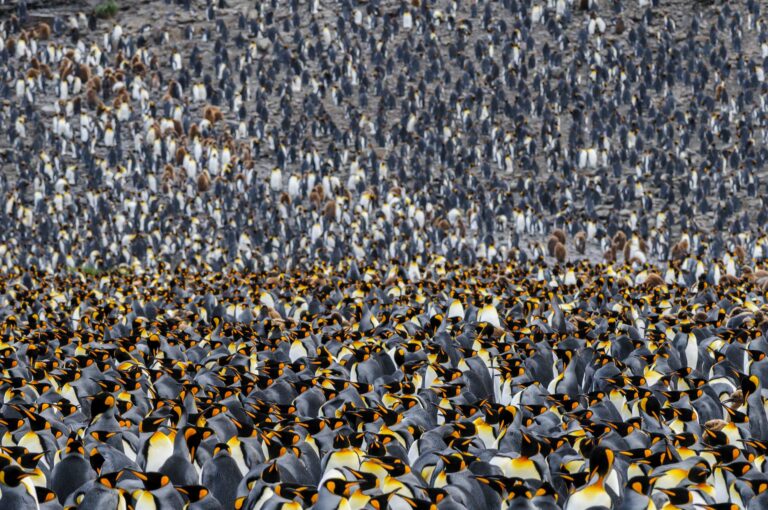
(600,461)
(152,480)
(221,449)
(13,475)
(110,480)
(699,473)
(74,446)
(678,496)
(758,485)
(529,446)
(45,496)
(194,492)
(738,469)
(749,385)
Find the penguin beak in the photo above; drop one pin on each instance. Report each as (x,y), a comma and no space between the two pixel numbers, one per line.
(138,474)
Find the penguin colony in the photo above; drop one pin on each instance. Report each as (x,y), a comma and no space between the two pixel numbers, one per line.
(496,386)
(369,255)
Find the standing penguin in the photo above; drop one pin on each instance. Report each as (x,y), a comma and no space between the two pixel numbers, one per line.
(179,465)
(72,471)
(597,493)
(222,475)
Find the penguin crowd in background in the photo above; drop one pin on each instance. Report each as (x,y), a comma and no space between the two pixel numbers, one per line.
(367,255)
(259,134)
